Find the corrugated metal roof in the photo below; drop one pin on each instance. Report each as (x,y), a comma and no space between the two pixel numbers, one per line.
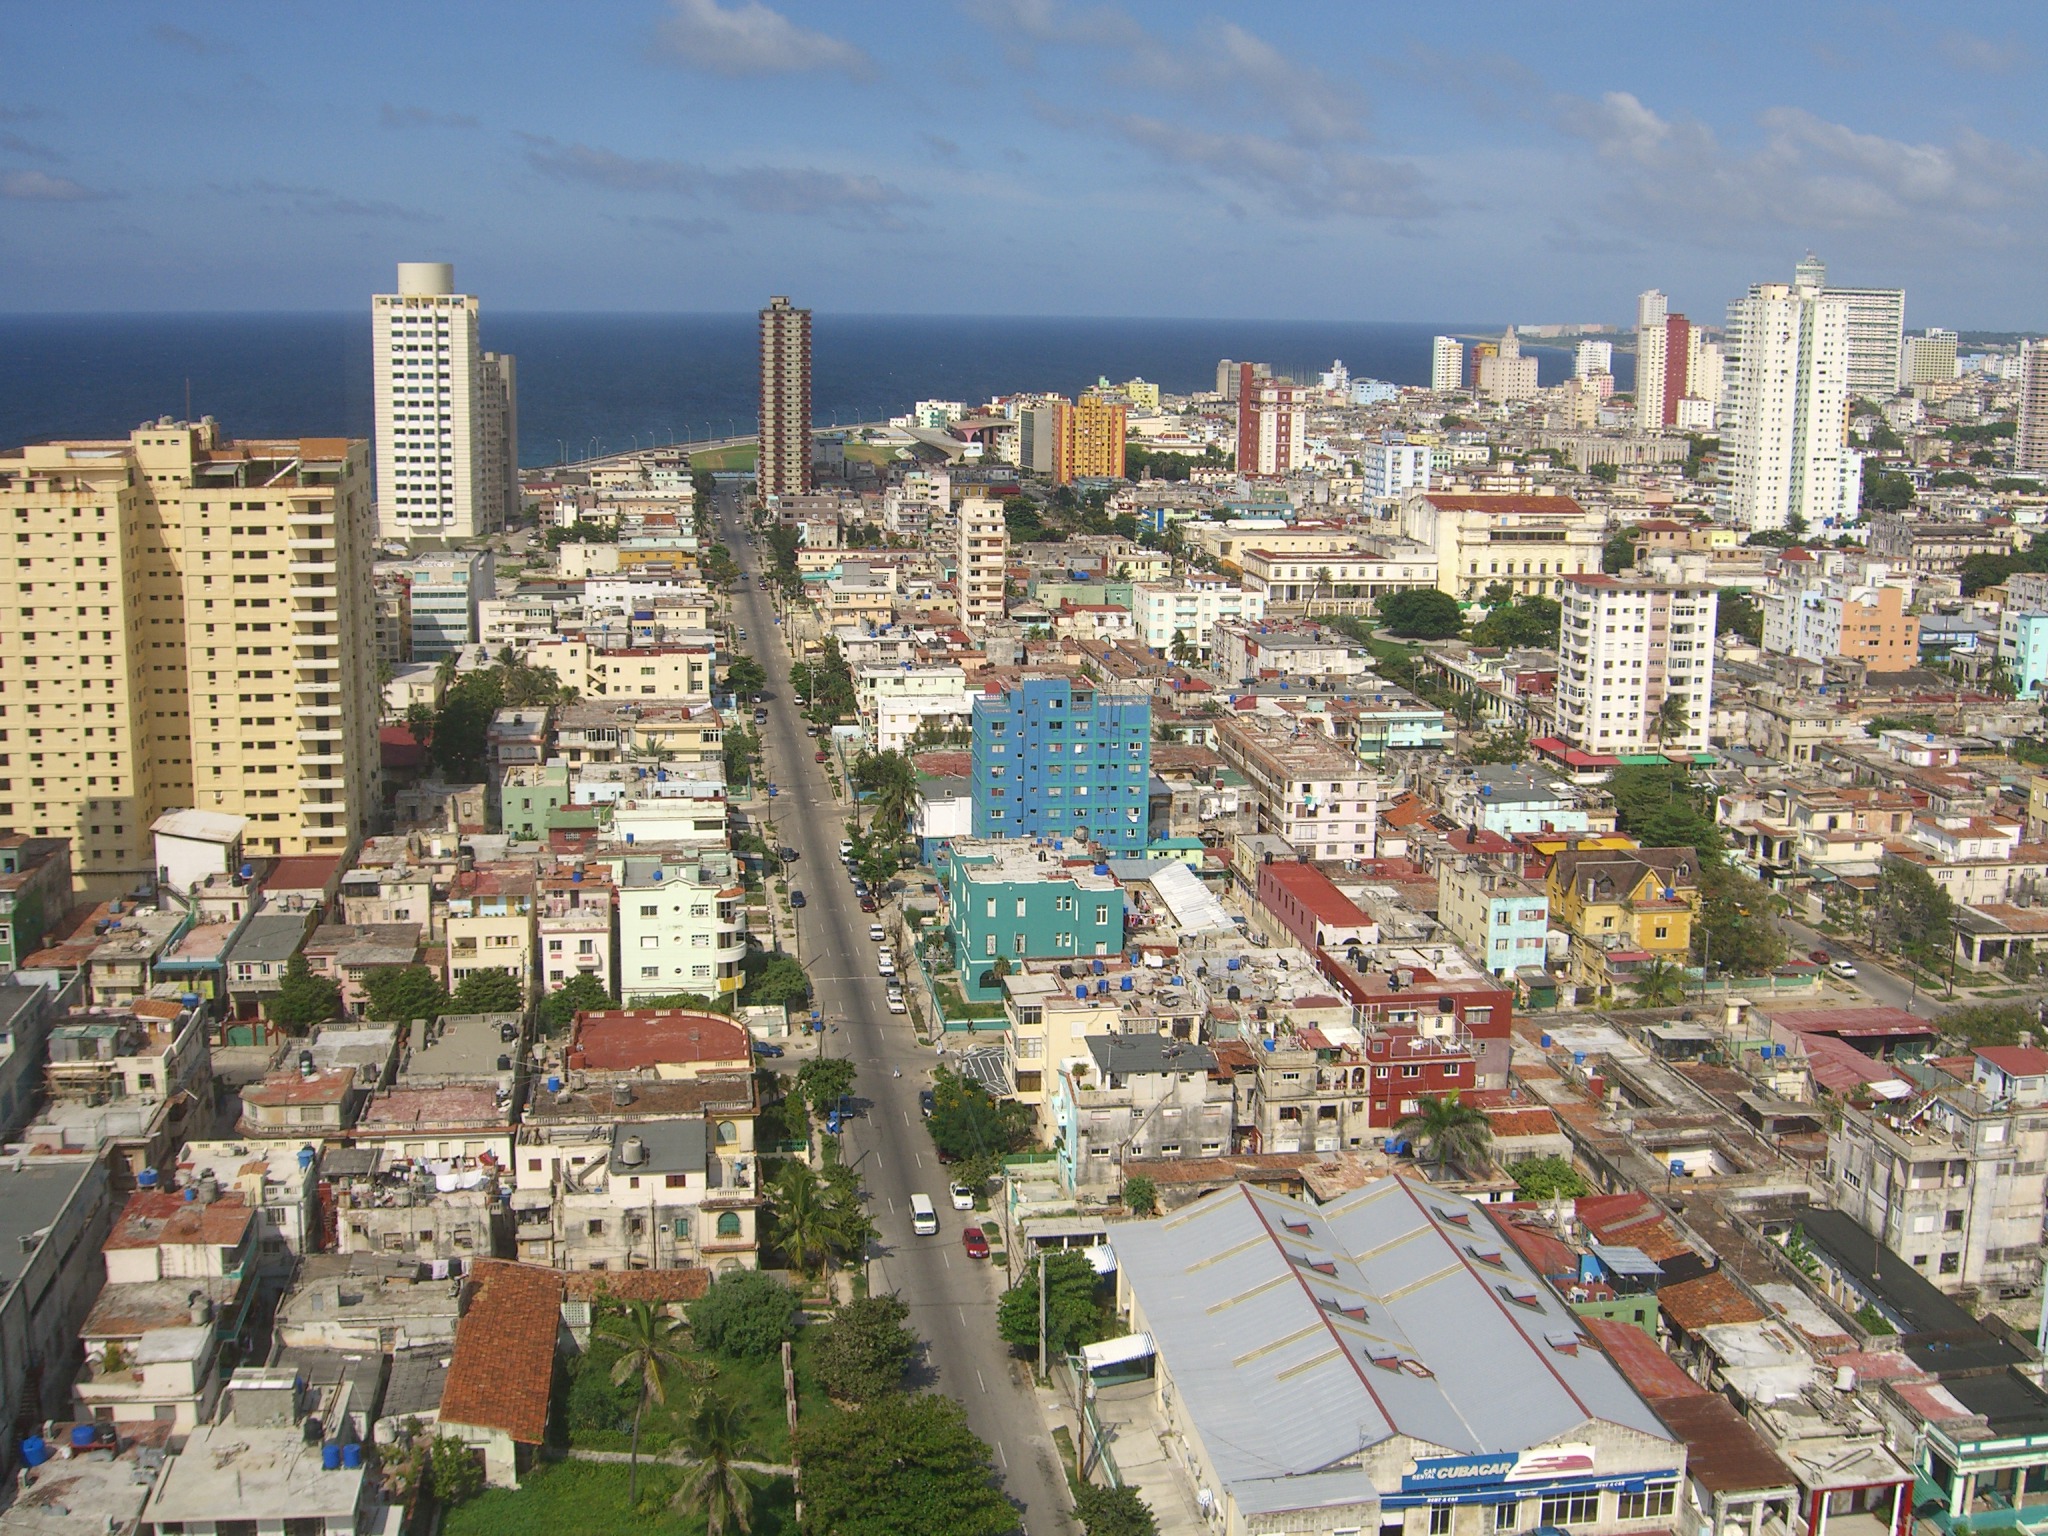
(1299,1334)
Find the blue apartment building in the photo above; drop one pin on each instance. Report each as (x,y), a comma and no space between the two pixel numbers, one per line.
(1056,758)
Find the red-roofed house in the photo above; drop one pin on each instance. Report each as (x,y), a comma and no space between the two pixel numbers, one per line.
(503,1368)
(1306,903)
(670,1042)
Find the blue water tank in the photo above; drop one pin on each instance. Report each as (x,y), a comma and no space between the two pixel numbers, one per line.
(1578,1058)
(191,1194)
(307,1157)
(554,1085)
(34,1451)
(188,999)
(1101,987)
(146,1179)
(352,1455)
(657,877)
(1544,1040)
(82,1436)
(1097,967)
(1081,990)
(1126,986)
(1234,962)
(330,1456)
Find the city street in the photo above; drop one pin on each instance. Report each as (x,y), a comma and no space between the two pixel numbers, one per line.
(951,1297)
(1872,980)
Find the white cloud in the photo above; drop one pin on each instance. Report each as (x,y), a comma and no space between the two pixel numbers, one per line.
(840,197)
(41,187)
(749,38)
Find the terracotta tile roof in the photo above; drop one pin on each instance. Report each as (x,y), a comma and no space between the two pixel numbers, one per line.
(503,1368)
(1631,1220)
(154,1217)
(1723,1453)
(1495,501)
(626,1039)
(1709,1299)
(1654,1374)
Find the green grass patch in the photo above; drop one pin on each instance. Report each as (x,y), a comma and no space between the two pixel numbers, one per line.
(1063,1442)
(567,1498)
(953,1003)
(754,1387)
(739,456)
(872,453)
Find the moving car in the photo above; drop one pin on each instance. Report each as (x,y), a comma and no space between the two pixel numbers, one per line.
(974,1242)
(1844,969)
(963,1197)
(786,853)
(924,1216)
(798,899)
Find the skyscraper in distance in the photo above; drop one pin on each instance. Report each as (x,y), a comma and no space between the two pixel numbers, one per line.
(1652,337)
(785,461)
(1876,329)
(2030,445)
(1446,365)
(446,411)
(1785,406)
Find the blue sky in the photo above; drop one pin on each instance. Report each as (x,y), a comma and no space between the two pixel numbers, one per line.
(1358,161)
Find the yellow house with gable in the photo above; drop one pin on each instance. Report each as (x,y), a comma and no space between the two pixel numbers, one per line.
(1626,909)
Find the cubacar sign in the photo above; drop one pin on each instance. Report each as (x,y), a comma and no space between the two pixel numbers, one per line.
(1529,1466)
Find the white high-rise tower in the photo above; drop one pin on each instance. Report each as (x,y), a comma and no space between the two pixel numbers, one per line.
(1784,411)
(1652,309)
(447,412)
(1446,365)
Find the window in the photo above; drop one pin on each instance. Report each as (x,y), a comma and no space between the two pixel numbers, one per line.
(1440,1520)
(1579,1508)
(1506,1516)
(1951,1263)
(1654,1502)
(728,1224)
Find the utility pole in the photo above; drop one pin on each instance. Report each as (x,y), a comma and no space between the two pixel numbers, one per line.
(1041,1314)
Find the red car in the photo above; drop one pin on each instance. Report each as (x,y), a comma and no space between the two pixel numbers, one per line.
(975,1244)
(867,904)
(1819,957)
(818,757)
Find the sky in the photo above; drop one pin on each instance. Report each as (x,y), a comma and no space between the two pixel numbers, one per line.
(1355,160)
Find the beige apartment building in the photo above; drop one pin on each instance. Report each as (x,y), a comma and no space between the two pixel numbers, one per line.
(186,621)
(984,559)
(1530,542)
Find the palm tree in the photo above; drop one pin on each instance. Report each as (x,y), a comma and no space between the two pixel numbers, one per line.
(712,1482)
(652,1345)
(1673,718)
(801,1221)
(1659,985)
(892,779)
(444,674)
(1449,1132)
(1323,579)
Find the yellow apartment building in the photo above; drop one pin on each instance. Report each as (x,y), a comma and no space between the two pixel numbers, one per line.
(1625,908)
(1091,440)
(186,621)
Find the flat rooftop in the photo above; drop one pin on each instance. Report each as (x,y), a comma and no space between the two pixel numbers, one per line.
(460,1047)
(32,1198)
(234,1472)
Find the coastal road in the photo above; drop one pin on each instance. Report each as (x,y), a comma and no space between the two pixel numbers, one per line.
(951,1297)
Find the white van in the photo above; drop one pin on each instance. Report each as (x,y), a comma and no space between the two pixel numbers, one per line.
(924,1217)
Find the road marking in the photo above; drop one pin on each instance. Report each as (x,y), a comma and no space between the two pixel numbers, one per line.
(977,1377)
(920,1158)
(963,1322)
(1004,1454)
(946,1259)
(906,1117)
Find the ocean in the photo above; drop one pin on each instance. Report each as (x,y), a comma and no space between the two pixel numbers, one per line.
(595,383)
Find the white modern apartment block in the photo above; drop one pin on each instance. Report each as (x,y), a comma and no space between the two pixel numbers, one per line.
(1929,358)
(1783,410)
(1652,309)
(913,509)
(984,559)
(447,413)
(2030,447)
(1446,365)
(682,923)
(1189,608)
(894,702)
(1626,646)
(1394,466)
(1593,357)
(1877,329)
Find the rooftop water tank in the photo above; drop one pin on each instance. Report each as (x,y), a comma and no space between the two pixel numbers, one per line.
(307,1157)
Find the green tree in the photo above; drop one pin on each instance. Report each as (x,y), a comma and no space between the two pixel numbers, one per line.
(652,1346)
(1981,1024)
(774,981)
(1141,1195)
(1500,746)
(746,676)
(488,991)
(966,1120)
(1072,1316)
(1658,985)
(1118,1511)
(1673,719)
(303,999)
(1448,1131)
(1422,613)
(900,1463)
(1182,650)
(1885,490)
(712,1484)
(1531,621)
(1606,474)
(581,993)
(889,780)
(419,720)
(1735,929)
(1913,912)
(1658,808)
(1543,1178)
(1619,553)
(825,1080)
(1738,614)
(864,1348)
(744,1315)
(401,993)
(808,1224)
(455,1473)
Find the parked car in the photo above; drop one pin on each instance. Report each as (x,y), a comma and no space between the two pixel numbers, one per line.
(1820,957)
(876,933)
(963,1197)
(926,1103)
(818,757)
(886,968)
(766,1048)
(786,852)
(896,1003)
(974,1242)
(798,899)
(845,847)
(740,634)
(867,904)
(1844,969)
(810,730)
